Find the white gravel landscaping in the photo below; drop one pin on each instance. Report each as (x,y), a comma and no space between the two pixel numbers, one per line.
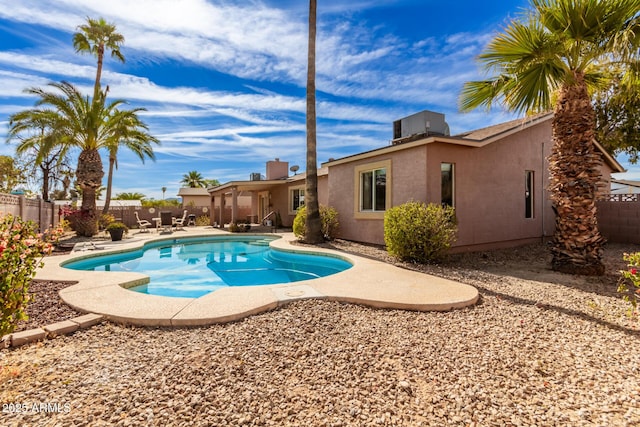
(540,348)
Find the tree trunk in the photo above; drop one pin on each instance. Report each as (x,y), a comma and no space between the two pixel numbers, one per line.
(575,172)
(107,199)
(96,85)
(89,176)
(45,169)
(313,224)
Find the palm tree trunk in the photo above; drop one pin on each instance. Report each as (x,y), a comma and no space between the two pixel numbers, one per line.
(89,176)
(96,86)
(45,169)
(575,173)
(313,224)
(107,199)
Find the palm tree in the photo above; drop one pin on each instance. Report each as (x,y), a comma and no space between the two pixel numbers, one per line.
(93,38)
(164,190)
(88,126)
(193,179)
(554,58)
(133,134)
(33,128)
(313,226)
(130,196)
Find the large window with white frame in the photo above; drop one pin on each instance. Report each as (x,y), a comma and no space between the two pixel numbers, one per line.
(372,189)
(296,199)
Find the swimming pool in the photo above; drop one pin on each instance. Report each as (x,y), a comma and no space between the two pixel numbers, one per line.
(191,268)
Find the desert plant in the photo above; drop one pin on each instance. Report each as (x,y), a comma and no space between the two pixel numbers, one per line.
(419,232)
(104,220)
(630,280)
(116,225)
(21,251)
(328,219)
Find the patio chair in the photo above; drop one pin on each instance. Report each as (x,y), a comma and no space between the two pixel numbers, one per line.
(142,224)
(166,221)
(179,222)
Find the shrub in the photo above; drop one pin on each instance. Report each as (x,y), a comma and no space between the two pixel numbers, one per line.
(418,232)
(116,225)
(239,226)
(631,276)
(104,220)
(83,222)
(328,218)
(203,221)
(21,252)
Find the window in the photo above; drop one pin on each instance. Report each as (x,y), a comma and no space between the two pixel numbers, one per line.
(528,194)
(372,190)
(447,184)
(296,199)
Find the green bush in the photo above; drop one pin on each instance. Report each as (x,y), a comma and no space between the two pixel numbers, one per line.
(21,251)
(418,232)
(629,285)
(328,217)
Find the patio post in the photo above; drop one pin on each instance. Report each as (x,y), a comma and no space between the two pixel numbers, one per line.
(234,204)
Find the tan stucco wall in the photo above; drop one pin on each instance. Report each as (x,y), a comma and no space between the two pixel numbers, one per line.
(489,189)
(197,200)
(280,198)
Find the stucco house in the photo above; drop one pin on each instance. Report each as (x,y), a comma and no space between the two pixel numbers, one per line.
(495,177)
(277,194)
(194,196)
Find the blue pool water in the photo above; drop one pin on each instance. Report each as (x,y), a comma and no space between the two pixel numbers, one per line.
(191,268)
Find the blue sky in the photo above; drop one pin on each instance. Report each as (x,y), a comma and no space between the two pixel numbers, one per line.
(224,82)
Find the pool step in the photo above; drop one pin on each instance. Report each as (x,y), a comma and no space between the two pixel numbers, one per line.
(263,242)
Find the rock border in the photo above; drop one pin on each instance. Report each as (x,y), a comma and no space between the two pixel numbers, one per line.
(51,331)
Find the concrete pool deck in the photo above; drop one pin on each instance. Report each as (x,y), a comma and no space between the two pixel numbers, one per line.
(368,282)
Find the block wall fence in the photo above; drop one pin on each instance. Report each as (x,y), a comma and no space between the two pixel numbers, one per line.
(618,214)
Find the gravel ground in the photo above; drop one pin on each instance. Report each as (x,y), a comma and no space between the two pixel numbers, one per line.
(46,306)
(540,348)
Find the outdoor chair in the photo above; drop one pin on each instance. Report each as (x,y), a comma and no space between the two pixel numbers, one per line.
(179,222)
(142,224)
(166,221)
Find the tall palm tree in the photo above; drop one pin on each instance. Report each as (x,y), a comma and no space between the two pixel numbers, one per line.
(313,225)
(164,190)
(193,179)
(93,38)
(88,126)
(554,58)
(129,132)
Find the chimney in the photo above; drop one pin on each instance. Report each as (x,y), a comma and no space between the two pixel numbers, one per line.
(277,169)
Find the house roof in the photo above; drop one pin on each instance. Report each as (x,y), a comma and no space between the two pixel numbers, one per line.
(100,203)
(262,184)
(626,182)
(188,191)
(475,138)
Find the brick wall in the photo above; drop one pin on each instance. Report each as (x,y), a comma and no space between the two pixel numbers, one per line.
(619,218)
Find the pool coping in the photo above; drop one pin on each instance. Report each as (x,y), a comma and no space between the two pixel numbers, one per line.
(368,282)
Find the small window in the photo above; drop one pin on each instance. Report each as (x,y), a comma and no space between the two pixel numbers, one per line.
(297,199)
(447,184)
(373,190)
(528,194)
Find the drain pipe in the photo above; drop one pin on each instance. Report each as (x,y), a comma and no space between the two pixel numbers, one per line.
(543,190)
